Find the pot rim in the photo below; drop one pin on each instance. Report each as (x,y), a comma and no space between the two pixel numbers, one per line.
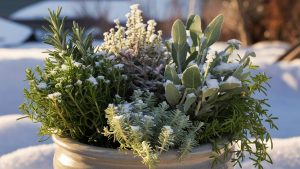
(81,148)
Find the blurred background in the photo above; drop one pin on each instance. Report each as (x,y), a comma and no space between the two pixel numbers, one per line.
(270,27)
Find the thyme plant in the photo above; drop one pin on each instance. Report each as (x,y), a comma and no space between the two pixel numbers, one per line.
(69,95)
(149,129)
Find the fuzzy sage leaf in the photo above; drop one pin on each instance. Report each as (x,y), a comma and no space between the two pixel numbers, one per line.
(213,30)
(172,94)
(179,43)
(191,77)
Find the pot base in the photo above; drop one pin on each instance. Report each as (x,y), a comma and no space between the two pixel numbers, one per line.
(70,154)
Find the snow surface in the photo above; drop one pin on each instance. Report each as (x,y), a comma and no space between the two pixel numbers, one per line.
(13,33)
(15,136)
(112,9)
(34,157)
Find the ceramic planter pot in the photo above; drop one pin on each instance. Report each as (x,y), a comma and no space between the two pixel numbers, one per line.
(70,154)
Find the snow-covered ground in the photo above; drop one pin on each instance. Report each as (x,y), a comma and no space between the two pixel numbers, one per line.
(156,9)
(8,37)
(19,146)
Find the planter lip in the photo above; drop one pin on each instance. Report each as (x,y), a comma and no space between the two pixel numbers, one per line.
(81,148)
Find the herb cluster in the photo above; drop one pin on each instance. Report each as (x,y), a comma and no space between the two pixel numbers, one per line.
(69,95)
(138,92)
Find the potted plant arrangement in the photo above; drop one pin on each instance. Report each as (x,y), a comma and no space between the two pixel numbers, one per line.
(167,104)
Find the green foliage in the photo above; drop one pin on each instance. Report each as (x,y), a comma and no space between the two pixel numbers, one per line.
(179,44)
(69,95)
(172,93)
(194,26)
(213,30)
(150,130)
(218,89)
(191,77)
(116,92)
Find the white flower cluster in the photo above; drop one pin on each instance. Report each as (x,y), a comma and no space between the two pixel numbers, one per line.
(168,129)
(123,39)
(54,96)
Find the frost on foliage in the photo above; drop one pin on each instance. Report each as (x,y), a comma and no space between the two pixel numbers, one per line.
(54,96)
(42,86)
(222,95)
(146,127)
(140,50)
(223,67)
(235,43)
(67,84)
(212,83)
(232,80)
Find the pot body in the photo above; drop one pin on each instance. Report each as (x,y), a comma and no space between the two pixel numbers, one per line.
(70,154)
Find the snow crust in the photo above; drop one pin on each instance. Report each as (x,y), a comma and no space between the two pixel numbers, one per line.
(13,33)
(17,134)
(33,157)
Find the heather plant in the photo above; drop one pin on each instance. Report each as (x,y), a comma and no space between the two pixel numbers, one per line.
(69,95)
(140,48)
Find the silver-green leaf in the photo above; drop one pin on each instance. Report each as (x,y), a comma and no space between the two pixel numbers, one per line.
(213,30)
(171,74)
(190,99)
(172,94)
(191,77)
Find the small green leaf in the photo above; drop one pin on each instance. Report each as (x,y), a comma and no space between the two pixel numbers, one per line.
(190,99)
(213,30)
(172,94)
(190,21)
(178,34)
(229,86)
(191,77)
(195,29)
(171,74)
(192,57)
(179,46)
(209,92)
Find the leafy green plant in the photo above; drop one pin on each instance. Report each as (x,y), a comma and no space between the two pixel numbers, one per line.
(69,95)
(150,129)
(218,89)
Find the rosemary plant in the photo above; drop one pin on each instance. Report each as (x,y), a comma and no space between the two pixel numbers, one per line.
(69,95)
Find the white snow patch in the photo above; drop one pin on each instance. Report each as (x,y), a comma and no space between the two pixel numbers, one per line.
(227,66)
(13,33)
(285,155)
(212,83)
(232,80)
(168,129)
(34,157)
(191,95)
(290,80)
(92,80)
(17,134)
